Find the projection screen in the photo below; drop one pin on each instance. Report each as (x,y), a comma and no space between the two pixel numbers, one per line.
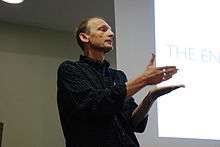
(188,36)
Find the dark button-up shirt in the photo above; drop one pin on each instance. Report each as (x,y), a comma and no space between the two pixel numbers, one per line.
(93,107)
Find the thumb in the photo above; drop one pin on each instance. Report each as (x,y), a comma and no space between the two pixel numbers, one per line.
(152,60)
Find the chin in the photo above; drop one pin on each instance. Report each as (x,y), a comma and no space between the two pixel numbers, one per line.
(107,49)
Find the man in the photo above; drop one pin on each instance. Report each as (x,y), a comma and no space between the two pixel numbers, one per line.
(95,104)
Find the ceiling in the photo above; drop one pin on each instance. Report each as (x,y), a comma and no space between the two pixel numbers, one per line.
(56,14)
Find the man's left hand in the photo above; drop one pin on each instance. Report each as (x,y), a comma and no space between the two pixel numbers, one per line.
(159,91)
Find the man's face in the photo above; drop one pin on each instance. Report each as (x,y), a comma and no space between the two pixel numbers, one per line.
(100,36)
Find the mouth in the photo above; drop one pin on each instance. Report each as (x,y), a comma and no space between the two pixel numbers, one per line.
(109,41)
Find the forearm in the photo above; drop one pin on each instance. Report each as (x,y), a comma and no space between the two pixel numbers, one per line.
(136,84)
(142,110)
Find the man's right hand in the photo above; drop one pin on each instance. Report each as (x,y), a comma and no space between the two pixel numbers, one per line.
(154,75)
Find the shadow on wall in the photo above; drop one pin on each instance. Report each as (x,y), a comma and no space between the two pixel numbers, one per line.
(1,133)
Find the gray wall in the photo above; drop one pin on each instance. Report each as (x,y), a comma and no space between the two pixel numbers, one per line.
(29,58)
(135,42)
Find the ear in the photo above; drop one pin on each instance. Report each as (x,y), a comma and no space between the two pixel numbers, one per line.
(84,37)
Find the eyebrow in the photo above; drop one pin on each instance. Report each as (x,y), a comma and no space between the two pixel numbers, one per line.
(104,25)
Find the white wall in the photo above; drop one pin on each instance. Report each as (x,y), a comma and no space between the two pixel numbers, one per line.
(135,41)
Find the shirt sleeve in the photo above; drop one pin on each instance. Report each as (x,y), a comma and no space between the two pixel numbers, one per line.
(78,96)
(128,108)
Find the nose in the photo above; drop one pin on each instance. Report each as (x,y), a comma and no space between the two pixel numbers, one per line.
(111,34)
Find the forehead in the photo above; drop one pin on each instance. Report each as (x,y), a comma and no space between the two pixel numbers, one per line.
(97,22)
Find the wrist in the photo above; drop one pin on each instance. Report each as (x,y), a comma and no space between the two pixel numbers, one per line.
(145,79)
(135,84)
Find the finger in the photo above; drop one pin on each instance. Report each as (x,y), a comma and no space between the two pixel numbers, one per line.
(152,60)
(179,86)
(173,87)
(166,67)
(171,71)
(166,77)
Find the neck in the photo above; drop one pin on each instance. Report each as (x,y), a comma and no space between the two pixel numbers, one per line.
(94,54)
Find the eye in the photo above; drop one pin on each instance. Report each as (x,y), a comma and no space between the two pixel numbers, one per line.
(103,28)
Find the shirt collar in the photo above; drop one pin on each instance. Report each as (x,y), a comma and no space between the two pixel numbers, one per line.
(94,63)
